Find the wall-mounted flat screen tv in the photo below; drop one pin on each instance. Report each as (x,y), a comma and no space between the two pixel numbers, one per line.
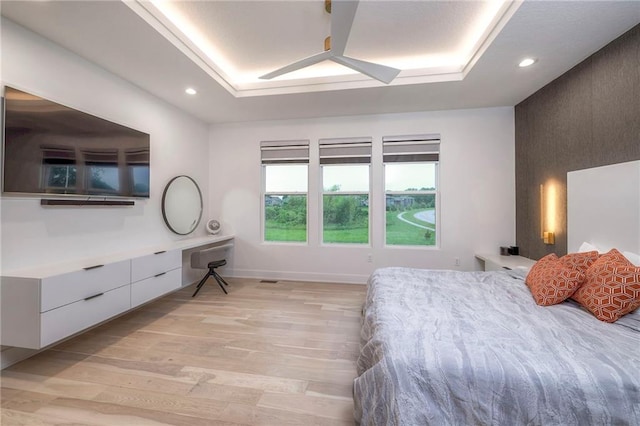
(53,149)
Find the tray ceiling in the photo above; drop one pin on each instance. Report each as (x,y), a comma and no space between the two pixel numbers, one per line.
(453,54)
(238,41)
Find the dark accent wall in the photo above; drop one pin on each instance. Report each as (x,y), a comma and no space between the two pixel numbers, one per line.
(588,117)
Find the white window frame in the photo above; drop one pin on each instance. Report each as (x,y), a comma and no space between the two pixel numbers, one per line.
(421,143)
(337,193)
(350,151)
(293,153)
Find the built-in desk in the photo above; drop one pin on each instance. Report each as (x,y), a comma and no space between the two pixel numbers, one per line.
(45,304)
(496,262)
(42,271)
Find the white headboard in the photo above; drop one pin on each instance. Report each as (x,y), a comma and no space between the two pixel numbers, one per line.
(603,207)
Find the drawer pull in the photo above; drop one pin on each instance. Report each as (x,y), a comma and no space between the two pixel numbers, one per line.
(160,252)
(159,275)
(93,297)
(88,268)
(507,268)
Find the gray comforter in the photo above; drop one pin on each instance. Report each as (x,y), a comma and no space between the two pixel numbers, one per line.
(473,348)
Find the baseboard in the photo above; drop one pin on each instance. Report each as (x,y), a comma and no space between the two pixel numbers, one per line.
(296,276)
(11,355)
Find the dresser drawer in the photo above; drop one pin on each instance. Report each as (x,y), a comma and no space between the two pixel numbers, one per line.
(144,290)
(60,290)
(59,323)
(154,264)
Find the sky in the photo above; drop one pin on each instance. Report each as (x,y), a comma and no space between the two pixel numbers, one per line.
(399,177)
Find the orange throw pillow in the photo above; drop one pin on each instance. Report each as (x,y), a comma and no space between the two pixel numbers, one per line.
(611,288)
(580,261)
(551,281)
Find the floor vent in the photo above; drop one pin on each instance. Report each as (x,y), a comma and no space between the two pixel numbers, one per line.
(269,281)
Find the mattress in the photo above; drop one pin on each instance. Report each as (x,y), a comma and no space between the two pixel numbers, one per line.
(473,348)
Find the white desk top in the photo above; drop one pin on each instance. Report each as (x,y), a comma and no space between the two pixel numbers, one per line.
(43,271)
(511,262)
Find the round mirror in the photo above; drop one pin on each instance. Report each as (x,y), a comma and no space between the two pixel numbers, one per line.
(182,205)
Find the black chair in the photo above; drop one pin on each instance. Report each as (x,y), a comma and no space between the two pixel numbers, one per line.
(210,259)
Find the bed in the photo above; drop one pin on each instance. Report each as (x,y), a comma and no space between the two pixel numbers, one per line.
(473,348)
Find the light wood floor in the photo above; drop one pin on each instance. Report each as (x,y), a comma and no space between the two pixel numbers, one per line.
(274,354)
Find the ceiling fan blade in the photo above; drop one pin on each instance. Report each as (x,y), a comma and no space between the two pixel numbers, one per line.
(342,14)
(381,73)
(311,60)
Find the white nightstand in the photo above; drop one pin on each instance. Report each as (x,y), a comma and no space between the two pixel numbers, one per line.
(496,262)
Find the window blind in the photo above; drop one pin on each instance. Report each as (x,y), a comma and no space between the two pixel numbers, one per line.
(137,156)
(412,148)
(58,155)
(345,150)
(283,152)
(107,156)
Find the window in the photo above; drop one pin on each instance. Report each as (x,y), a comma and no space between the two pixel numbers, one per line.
(285,177)
(411,183)
(59,169)
(138,166)
(345,165)
(103,174)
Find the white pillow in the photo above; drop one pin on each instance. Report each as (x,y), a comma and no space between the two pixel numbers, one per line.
(632,257)
(587,247)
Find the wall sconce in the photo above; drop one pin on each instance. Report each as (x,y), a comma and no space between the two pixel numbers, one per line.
(548,207)
(548,237)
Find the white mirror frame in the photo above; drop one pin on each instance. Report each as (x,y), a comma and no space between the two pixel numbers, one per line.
(182,205)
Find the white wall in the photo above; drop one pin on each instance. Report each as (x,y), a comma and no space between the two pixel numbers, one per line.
(477,198)
(33,235)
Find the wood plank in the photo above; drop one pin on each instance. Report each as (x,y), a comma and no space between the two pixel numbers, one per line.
(255,381)
(79,412)
(317,406)
(124,373)
(49,385)
(25,401)
(145,399)
(331,390)
(17,417)
(251,415)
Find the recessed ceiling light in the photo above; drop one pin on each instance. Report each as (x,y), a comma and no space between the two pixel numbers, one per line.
(526,62)
(190,91)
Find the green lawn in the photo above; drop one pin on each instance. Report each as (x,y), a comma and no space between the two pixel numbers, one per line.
(347,236)
(275,233)
(401,233)
(398,232)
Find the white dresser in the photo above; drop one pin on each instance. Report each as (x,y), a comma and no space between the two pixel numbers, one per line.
(44,305)
(154,275)
(44,309)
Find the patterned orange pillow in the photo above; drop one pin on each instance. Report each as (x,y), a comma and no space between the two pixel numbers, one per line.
(580,261)
(551,281)
(611,288)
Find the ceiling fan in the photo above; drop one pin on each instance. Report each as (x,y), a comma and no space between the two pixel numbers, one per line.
(343,12)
